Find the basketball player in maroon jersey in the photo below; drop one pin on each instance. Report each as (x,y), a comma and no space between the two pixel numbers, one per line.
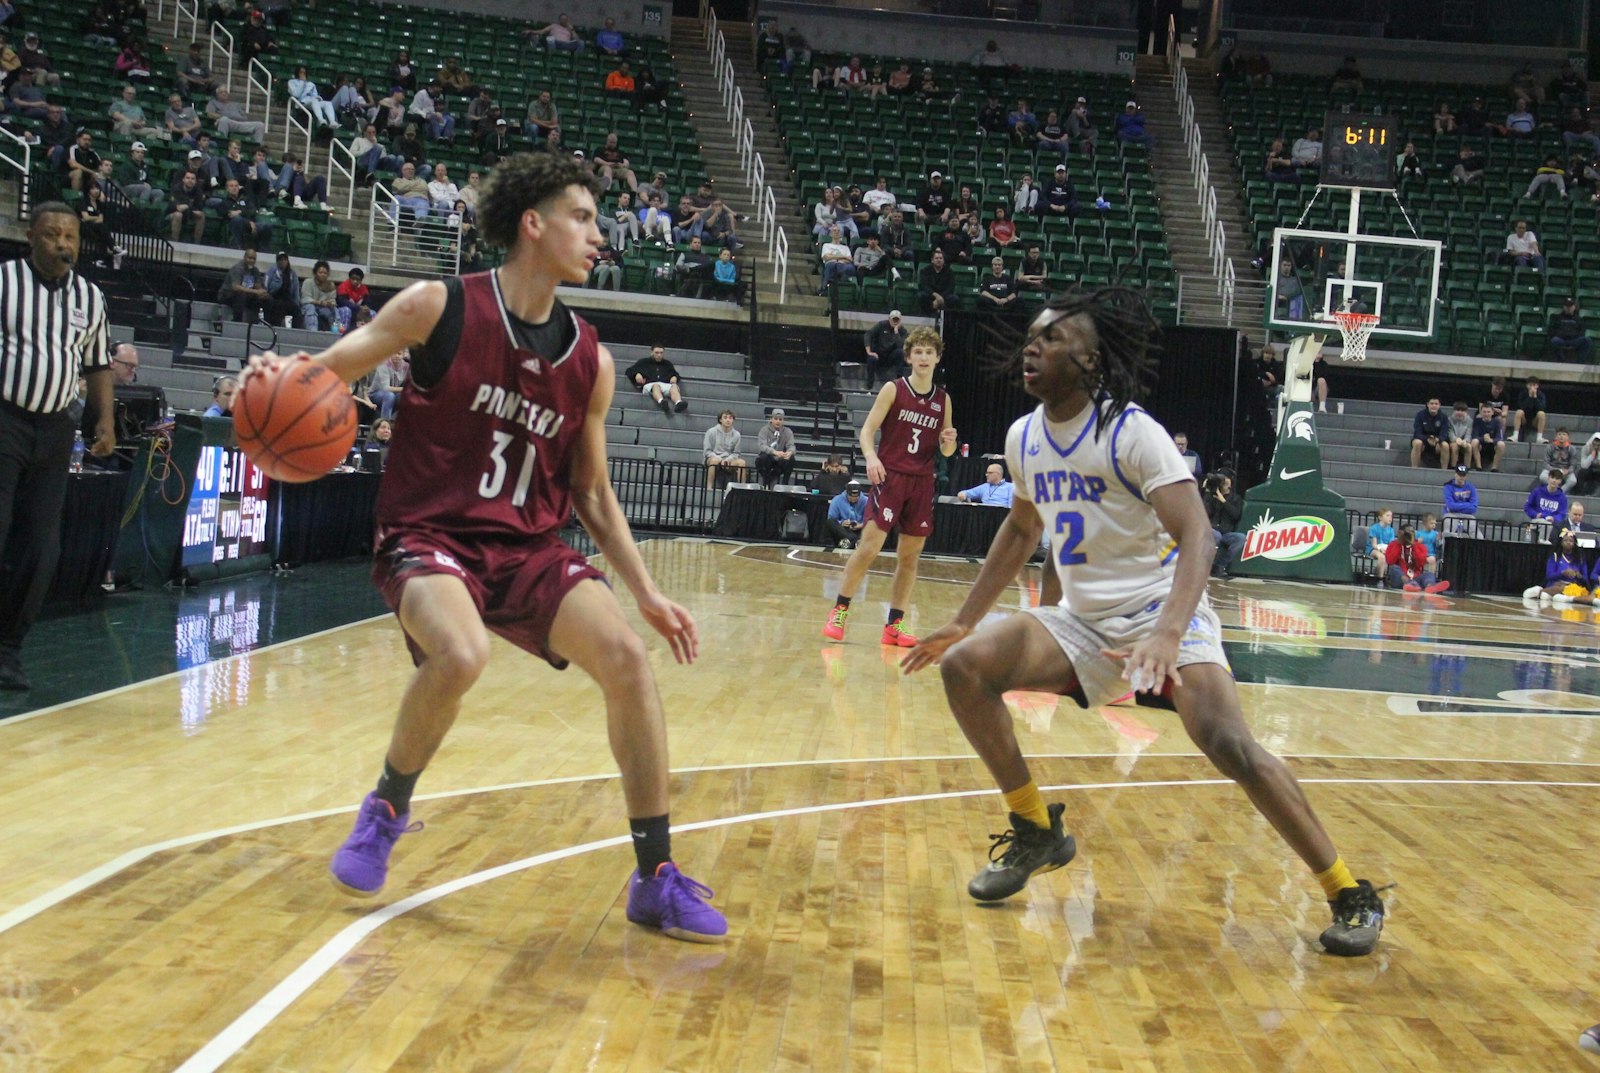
(915,418)
(503,433)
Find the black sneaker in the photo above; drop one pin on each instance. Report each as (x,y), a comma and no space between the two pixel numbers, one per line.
(1024,850)
(1357,921)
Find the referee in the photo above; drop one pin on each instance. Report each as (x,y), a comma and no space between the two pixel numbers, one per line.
(52,325)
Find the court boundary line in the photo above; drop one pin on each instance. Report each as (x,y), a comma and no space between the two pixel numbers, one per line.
(260,1014)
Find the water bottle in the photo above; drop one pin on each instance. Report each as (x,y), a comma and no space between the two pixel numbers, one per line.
(965,449)
(77,452)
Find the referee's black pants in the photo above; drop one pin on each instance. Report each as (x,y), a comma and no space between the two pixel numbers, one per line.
(35,451)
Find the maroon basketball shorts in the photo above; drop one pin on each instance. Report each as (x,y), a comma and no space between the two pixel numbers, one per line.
(903,501)
(517,587)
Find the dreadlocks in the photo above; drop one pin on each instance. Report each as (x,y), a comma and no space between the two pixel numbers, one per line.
(1126,338)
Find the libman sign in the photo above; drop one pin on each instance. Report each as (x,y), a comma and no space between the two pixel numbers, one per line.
(1287,540)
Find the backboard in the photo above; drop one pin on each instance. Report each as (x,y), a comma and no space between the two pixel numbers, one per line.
(1314,273)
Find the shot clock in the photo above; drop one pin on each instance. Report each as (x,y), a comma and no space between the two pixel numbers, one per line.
(1359,150)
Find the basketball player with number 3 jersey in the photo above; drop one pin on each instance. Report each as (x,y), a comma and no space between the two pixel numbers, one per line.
(1132,547)
(501,435)
(914,418)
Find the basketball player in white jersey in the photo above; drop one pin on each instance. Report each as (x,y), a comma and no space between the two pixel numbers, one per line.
(1131,544)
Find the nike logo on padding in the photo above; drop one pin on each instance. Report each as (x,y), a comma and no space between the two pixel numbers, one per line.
(1286,475)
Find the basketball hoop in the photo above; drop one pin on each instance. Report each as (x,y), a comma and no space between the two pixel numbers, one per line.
(1356,329)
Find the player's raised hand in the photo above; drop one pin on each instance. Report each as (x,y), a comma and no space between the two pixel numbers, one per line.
(932,646)
(1148,664)
(675,624)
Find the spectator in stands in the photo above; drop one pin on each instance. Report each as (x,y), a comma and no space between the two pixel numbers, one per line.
(369,155)
(187,206)
(658,380)
(1280,166)
(1191,458)
(408,148)
(194,74)
(609,40)
(1460,430)
(1524,84)
(1025,202)
(442,193)
(928,89)
(375,452)
(1475,120)
(92,224)
(352,98)
(1408,166)
(997,290)
(474,187)
(832,478)
(1522,247)
(1052,136)
(1002,231)
(936,285)
(230,119)
(401,73)
(1033,274)
(851,77)
(1550,173)
(656,219)
(243,289)
(933,204)
(1444,120)
(896,239)
(824,217)
(1223,508)
(1488,438)
(871,259)
(991,116)
(543,118)
(1520,121)
(1529,409)
(692,270)
(1589,467)
(1570,87)
(352,297)
(319,300)
(34,58)
(837,262)
(1081,129)
(648,90)
(385,383)
(885,344)
(715,225)
(774,450)
(721,448)
(879,196)
(725,277)
(1380,533)
(1407,562)
(257,39)
(222,395)
(1460,496)
(954,244)
(1130,127)
(619,83)
(1498,400)
(610,163)
(1562,457)
(128,118)
(1060,196)
(1347,79)
(238,212)
(1577,130)
(411,192)
(456,80)
(846,515)
(427,106)
(1569,340)
(293,183)
(131,62)
(1023,125)
(965,207)
(622,223)
(283,292)
(558,36)
(796,50)
(391,114)
(27,99)
(1565,580)
(1428,537)
(1574,523)
(1546,505)
(181,121)
(995,491)
(133,178)
(82,160)
(1307,151)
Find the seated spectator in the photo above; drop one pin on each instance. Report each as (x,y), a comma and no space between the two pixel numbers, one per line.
(1026,200)
(1550,173)
(1033,274)
(1565,580)
(1223,509)
(1052,136)
(846,515)
(997,290)
(244,289)
(655,220)
(352,297)
(1460,496)
(1130,127)
(427,107)
(131,62)
(1460,430)
(456,80)
(1307,152)
(1347,79)
(1520,121)
(837,263)
(1547,504)
(442,193)
(187,205)
(1191,458)
(1407,562)
(1428,537)
(1060,196)
(928,89)
(558,36)
(98,27)
(879,196)
(474,187)
(1488,437)
(293,183)
(900,80)
(385,383)
(1444,120)
(134,178)
(774,450)
(230,119)
(391,113)
(995,491)
(936,285)
(82,161)
(408,149)
(692,270)
(1469,167)
(181,121)
(283,292)
(370,157)
(238,212)
(1475,120)
(301,88)
(851,77)
(620,83)
(92,224)
(648,90)
(34,58)
(1380,533)
(721,447)
(1570,87)
(933,204)
(543,118)
(965,208)
(896,239)
(1588,468)
(375,451)
(871,259)
(715,226)
(797,50)
(319,300)
(832,478)
(1002,232)
(223,392)
(1081,129)
(1269,371)
(1529,408)
(1568,339)
(27,99)
(1577,130)
(610,40)
(401,73)
(827,214)
(610,164)
(991,116)
(622,223)
(725,277)
(352,98)
(954,244)
(1522,247)
(1408,166)
(1562,457)
(1023,125)
(1280,166)
(885,345)
(128,118)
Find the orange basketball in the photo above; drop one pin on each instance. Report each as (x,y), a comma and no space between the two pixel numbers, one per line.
(295,423)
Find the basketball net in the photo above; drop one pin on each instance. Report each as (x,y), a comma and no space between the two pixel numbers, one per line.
(1356,329)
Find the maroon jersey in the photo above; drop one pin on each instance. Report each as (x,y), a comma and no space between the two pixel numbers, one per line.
(484,450)
(909,437)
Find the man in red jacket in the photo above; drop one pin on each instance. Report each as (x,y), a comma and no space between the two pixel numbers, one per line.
(1408,564)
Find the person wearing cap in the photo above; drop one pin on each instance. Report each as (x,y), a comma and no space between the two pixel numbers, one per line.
(133,177)
(885,344)
(847,514)
(1569,340)
(1081,128)
(1060,196)
(1460,496)
(229,117)
(933,204)
(180,120)
(128,118)
(27,99)
(493,138)
(257,37)
(928,89)
(1130,127)
(409,148)
(35,59)
(774,450)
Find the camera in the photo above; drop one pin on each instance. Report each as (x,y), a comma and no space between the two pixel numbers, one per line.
(1213,482)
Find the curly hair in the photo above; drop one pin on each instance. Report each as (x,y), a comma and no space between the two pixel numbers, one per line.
(1126,337)
(526,181)
(925,337)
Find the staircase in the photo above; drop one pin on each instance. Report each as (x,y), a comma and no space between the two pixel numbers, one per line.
(1180,205)
(720,151)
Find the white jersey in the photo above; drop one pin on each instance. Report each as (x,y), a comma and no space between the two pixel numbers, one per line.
(1108,546)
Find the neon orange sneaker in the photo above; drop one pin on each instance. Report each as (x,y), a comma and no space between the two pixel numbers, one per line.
(833,629)
(894,635)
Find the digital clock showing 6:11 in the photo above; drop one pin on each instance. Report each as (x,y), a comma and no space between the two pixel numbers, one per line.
(1359,150)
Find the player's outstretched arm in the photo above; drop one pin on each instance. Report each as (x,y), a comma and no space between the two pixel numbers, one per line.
(1011,548)
(869,433)
(596,503)
(406,320)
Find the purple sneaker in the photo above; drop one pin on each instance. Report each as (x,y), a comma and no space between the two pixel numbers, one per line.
(362,863)
(676,904)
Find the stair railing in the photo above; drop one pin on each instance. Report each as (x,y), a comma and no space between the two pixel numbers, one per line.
(346,168)
(257,77)
(16,156)
(221,40)
(1200,172)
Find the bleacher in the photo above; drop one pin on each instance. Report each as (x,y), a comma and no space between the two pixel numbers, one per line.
(1488,307)
(844,139)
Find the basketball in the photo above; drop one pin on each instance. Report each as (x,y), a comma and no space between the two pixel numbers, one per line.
(296,422)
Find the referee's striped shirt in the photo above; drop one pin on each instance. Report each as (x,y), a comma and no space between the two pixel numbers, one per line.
(48,332)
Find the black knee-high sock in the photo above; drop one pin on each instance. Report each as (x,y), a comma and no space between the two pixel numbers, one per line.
(396,788)
(895,615)
(652,843)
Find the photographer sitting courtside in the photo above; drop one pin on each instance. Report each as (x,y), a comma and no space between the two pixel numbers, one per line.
(1224,509)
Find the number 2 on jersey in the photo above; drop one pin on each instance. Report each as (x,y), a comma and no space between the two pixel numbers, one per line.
(1070,522)
(492,483)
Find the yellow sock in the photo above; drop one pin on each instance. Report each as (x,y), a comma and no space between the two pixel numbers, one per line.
(1026,802)
(1335,879)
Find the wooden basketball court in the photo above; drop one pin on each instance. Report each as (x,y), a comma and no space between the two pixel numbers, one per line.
(164,903)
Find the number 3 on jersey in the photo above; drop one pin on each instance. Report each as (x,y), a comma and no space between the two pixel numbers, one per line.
(916,441)
(492,483)
(1070,523)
